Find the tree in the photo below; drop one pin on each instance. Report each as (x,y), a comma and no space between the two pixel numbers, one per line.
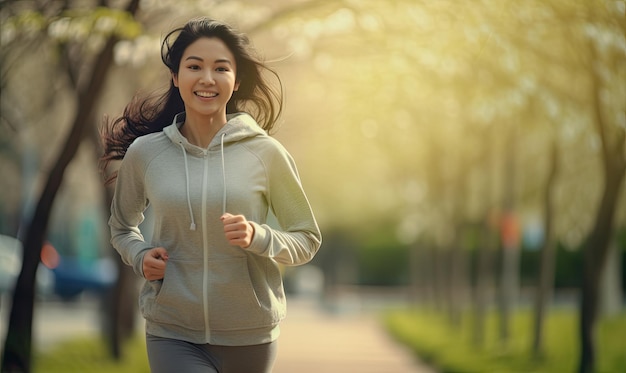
(548,252)
(613,142)
(18,343)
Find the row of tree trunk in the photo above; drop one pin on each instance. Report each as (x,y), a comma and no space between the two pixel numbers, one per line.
(497,261)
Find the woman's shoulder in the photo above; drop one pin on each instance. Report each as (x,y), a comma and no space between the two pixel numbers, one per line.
(271,152)
(147,146)
(147,142)
(268,145)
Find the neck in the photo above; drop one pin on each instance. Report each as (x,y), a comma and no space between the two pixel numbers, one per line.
(200,131)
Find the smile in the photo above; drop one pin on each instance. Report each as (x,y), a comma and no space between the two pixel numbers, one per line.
(206,94)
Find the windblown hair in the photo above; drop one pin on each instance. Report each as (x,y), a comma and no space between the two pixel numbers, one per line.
(152,113)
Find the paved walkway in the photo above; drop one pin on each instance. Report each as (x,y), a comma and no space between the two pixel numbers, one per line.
(315,341)
(312,340)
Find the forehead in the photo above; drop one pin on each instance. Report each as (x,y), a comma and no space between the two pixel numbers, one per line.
(209,49)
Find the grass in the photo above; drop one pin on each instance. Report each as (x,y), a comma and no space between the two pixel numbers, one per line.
(431,337)
(91,355)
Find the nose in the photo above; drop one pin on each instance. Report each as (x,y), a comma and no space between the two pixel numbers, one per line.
(207,77)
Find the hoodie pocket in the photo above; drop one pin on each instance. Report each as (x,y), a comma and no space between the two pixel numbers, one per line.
(179,299)
(233,301)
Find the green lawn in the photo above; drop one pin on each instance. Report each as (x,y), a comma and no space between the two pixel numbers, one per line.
(90,355)
(451,349)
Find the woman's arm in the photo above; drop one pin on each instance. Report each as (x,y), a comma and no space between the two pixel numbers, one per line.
(127,208)
(299,238)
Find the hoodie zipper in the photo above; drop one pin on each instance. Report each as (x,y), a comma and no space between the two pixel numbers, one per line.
(205,247)
(205,237)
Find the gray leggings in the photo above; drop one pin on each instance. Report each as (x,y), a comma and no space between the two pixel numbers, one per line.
(171,356)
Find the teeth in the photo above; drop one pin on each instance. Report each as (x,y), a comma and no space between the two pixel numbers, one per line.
(206,94)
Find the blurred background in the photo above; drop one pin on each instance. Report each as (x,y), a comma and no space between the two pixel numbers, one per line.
(459,155)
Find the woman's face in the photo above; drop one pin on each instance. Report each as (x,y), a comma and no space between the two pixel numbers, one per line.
(206,78)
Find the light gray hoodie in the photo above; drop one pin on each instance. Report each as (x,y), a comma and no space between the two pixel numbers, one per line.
(213,292)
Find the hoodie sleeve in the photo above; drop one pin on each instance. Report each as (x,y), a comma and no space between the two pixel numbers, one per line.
(300,237)
(127,208)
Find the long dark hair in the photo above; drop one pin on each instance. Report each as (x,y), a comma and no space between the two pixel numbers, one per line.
(152,113)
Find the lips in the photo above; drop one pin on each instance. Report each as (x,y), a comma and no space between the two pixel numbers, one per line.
(206,94)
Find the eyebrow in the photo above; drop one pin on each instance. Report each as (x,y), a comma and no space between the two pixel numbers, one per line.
(221,60)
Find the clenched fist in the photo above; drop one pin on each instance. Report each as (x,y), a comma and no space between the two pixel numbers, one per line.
(154,261)
(238,231)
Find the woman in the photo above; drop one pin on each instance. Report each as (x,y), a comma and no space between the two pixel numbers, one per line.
(213,298)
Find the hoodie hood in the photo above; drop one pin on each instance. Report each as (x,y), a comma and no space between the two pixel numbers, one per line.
(239,126)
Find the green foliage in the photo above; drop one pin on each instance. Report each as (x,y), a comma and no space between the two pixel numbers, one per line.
(385,265)
(567,271)
(381,259)
(105,21)
(91,355)
(71,26)
(28,20)
(568,267)
(452,350)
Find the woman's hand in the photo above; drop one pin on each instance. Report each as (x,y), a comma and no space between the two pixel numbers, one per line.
(238,231)
(154,261)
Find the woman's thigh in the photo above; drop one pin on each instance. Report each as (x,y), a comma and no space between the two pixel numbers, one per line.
(245,359)
(171,355)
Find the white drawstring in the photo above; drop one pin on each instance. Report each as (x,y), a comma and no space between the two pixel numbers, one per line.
(193,223)
(223,175)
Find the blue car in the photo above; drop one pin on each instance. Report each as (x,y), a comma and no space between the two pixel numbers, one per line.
(57,275)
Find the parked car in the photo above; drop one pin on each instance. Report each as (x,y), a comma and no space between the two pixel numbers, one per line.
(74,276)
(57,275)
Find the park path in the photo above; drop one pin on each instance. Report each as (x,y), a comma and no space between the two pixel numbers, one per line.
(315,340)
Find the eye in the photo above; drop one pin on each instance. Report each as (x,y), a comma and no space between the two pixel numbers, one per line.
(222,69)
(193,67)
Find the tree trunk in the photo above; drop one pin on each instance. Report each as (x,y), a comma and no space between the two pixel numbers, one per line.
(546,274)
(596,246)
(611,297)
(121,309)
(457,281)
(509,291)
(427,274)
(594,254)
(484,282)
(18,343)
(440,256)
(487,246)
(509,269)
(121,300)
(420,288)
(457,263)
